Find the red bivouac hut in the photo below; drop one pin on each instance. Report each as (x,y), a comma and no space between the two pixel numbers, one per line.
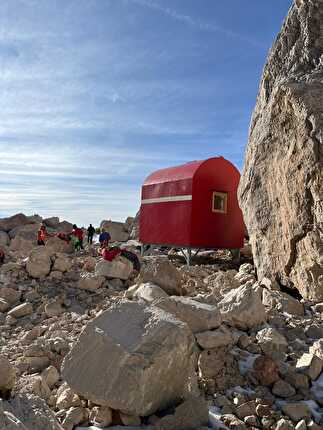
(193,206)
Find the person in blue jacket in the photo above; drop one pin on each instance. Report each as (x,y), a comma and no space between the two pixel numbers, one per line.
(104,238)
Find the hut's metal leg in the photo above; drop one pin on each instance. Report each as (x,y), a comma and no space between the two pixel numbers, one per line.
(187,255)
(235,254)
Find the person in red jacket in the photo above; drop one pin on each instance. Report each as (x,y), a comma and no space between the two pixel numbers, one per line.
(78,233)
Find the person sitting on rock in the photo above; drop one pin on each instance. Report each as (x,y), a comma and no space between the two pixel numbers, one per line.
(2,255)
(109,254)
(132,257)
(104,238)
(90,234)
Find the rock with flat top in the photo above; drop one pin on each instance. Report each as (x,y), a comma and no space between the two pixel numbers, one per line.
(163,273)
(119,268)
(198,316)
(243,307)
(144,354)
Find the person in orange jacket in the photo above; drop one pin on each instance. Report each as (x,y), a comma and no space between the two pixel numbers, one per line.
(42,235)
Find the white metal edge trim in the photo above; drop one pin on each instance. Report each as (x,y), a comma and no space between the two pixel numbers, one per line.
(167,199)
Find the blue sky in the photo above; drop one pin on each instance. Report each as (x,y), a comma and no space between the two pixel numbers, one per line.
(96,94)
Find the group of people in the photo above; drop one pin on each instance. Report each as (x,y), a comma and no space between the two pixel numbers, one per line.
(76,236)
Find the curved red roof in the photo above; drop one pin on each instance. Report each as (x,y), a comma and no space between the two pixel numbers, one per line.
(177,173)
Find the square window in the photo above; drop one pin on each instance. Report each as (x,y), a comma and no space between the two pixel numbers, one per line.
(219,202)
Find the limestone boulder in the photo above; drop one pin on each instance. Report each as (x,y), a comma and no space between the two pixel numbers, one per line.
(21,245)
(90,282)
(198,316)
(4,238)
(120,268)
(243,307)
(281,189)
(190,415)
(162,273)
(149,292)
(27,412)
(55,245)
(117,230)
(62,263)
(27,232)
(51,222)
(64,227)
(7,224)
(39,262)
(7,375)
(282,302)
(144,354)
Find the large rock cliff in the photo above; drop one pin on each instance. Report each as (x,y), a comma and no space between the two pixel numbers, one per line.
(281,190)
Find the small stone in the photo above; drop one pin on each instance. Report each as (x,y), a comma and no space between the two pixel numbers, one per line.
(283,424)
(51,376)
(73,417)
(246,409)
(265,370)
(130,420)
(53,309)
(282,388)
(297,411)
(251,420)
(7,375)
(4,305)
(310,364)
(314,332)
(21,310)
(263,410)
(214,339)
(313,426)
(301,425)
(101,416)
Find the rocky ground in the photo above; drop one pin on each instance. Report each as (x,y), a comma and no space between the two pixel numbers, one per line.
(85,343)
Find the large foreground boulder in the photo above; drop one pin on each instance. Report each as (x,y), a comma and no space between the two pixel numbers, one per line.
(27,412)
(133,357)
(281,189)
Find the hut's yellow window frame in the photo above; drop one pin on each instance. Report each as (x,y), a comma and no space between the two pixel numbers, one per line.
(219,202)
